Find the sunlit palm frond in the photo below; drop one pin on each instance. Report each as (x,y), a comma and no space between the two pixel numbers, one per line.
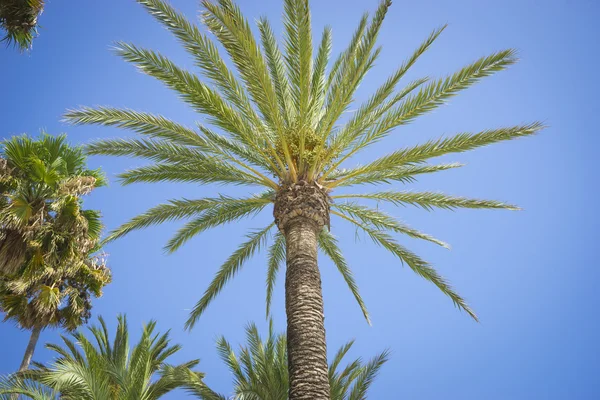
(329,245)
(382,221)
(255,241)
(276,259)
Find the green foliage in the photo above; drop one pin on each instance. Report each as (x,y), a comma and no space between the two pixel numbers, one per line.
(18,19)
(282,115)
(49,266)
(97,368)
(260,370)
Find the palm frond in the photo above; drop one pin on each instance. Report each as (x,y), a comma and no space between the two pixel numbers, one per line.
(154,126)
(429,200)
(436,93)
(228,209)
(230,27)
(275,260)
(435,148)
(367,376)
(329,245)
(380,220)
(276,65)
(173,210)
(403,174)
(191,90)
(353,69)
(227,271)
(205,53)
(374,108)
(418,265)
(209,170)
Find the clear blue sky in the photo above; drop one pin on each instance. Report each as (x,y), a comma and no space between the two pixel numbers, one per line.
(531,275)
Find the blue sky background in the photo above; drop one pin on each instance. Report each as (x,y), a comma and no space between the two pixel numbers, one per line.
(531,275)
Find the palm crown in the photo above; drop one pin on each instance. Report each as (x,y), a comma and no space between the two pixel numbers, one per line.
(260,369)
(18,18)
(48,266)
(98,368)
(278,124)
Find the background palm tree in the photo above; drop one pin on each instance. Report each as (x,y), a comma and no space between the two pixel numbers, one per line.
(108,370)
(49,269)
(19,20)
(260,369)
(284,126)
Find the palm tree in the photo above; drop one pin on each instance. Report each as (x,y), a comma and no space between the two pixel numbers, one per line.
(18,18)
(261,373)
(103,370)
(49,266)
(278,125)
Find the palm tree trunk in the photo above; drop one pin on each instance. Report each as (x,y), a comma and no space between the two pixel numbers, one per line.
(307,351)
(35,335)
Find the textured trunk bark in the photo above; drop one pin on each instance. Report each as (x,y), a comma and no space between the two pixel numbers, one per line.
(307,351)
(35,335)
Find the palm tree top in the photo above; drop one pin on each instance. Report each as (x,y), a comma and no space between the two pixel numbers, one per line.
(260,369)
(101,368)
(19,20)
(50,265)
(280,121)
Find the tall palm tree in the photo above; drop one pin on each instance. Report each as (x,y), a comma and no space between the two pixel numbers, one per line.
(49,266)
(84,370)
(280,126)
(260,370)
(19,20)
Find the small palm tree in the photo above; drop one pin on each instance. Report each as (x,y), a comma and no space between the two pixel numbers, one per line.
(260,370)
(19,20)
(284,126)
(107,370)
(49,266)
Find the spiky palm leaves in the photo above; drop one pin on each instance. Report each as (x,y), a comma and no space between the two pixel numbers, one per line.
(97,368)
(48,267)
(260,369)
(18,18)
(281,123)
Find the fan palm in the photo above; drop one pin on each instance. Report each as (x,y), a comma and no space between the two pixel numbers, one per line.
(260,370)
(18,18)
(279,122)
(48,267)
(103,370)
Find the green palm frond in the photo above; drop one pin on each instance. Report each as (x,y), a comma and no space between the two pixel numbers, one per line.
(154,126)
(197,94)
(380,220)
(277,70)
(228,270)
(12,386)
(435,148)
(403,174)
(429,200)
(230,27)
(227,210)
(374,108)
(276,259)
(210,170)
(205,54)
(329,245)
(419,266)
